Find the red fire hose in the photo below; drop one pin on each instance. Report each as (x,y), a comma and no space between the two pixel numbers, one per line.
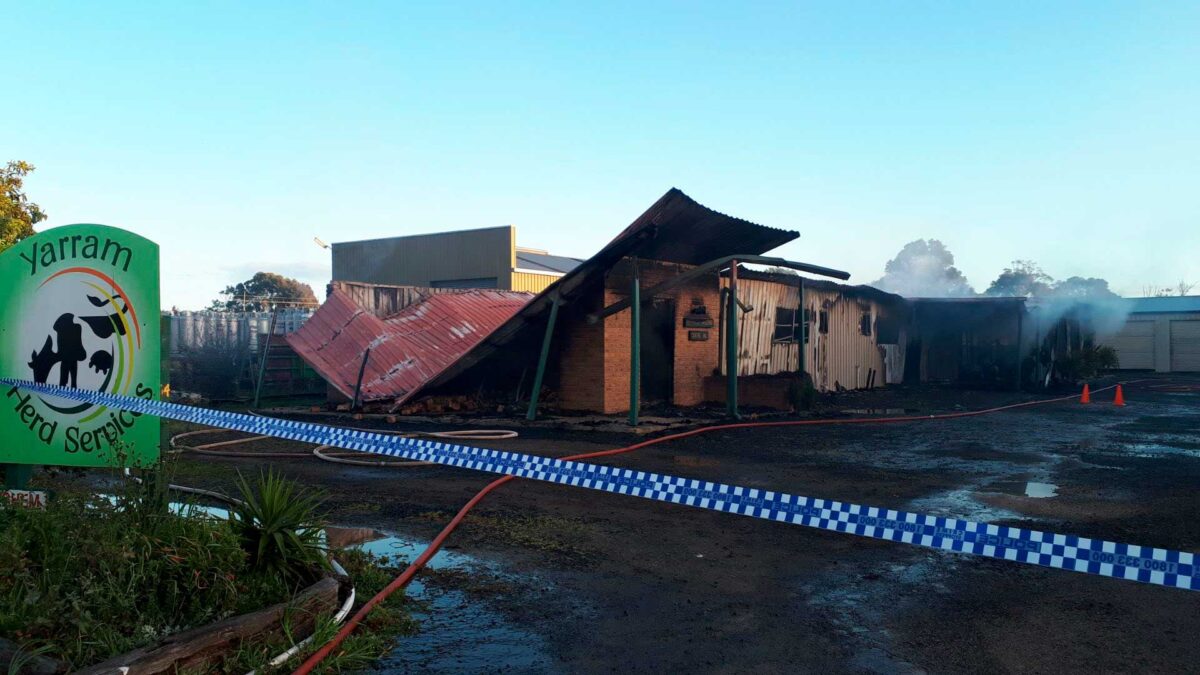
(406,576)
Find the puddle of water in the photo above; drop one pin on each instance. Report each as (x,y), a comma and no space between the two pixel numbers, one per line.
(961,503)
(1159,450)
(458,634)
(861,603)
(189,508)
(405,548)
(183,508)
(1040,490)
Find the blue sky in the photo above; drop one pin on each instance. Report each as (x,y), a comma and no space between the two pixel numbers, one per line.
(233,133)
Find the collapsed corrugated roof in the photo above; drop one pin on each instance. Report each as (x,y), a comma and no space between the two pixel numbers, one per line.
(408,348)
(679,229)
(676,229)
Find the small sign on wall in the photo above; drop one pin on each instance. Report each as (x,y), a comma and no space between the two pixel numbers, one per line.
(697,336)
(28,499)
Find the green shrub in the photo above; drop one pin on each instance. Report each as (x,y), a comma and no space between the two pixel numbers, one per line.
(1087,362)
(88,579)
(801,393)
(279,528)
(91,577)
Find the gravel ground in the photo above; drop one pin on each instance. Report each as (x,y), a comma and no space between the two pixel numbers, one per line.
(611,583)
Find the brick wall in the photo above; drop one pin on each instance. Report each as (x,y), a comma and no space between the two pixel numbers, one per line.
(581,360)
(616,356)
(695,361)
(595,358)
(758,391)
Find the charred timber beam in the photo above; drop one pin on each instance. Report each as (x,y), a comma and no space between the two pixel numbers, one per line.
(731,345)
(718,264)
(635,348)
(531,414)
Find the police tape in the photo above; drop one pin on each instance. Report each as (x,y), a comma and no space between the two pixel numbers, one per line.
(1163,567)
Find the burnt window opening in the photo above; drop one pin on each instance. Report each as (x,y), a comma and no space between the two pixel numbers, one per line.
(808,318)
(823,321)
(785,326)
(887,329)
(864,322)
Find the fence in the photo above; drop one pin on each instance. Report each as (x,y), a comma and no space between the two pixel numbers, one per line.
(218,354)
(238,331)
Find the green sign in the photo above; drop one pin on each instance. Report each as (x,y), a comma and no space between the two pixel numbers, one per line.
(80,309)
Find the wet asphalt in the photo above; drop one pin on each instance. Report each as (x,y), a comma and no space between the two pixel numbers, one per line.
(606,583)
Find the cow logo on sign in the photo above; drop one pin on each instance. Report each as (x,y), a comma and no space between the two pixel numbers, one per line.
(84,314)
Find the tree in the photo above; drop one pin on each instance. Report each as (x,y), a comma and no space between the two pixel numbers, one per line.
(1182,288)
(1024,279)
(264,290)
(924,268)
(18,215)
(1080,288)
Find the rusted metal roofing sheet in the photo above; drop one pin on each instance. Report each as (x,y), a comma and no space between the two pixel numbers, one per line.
(676,228)
(679,229)
(408,348)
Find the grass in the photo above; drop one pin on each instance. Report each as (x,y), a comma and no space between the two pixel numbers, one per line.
(91,577)
(373,639)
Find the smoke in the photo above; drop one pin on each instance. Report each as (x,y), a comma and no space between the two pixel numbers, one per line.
(1101,316)
(1087,300)
(924,269)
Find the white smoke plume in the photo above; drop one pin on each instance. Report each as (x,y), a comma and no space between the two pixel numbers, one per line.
(924,269)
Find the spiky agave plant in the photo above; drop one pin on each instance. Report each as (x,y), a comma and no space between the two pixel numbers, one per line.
(279,526)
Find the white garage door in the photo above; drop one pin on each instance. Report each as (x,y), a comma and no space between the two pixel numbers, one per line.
(1185,346)
(1135,345)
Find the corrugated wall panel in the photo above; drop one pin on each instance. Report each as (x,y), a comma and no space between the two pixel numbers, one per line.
(532,283)
(1185,346)
(758,353)
(841,357)
(384,300)
(1134,343)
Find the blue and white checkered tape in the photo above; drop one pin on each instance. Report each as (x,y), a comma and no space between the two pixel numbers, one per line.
(1163,567)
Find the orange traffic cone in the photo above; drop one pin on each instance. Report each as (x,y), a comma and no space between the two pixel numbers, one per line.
(1086,396)
(1119,399)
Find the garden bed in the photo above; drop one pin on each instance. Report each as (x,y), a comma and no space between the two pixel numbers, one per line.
(99,582)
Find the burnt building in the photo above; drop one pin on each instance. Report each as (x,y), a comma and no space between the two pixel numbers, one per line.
(976,341)
(841,336)
(645,320)
(666,313)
